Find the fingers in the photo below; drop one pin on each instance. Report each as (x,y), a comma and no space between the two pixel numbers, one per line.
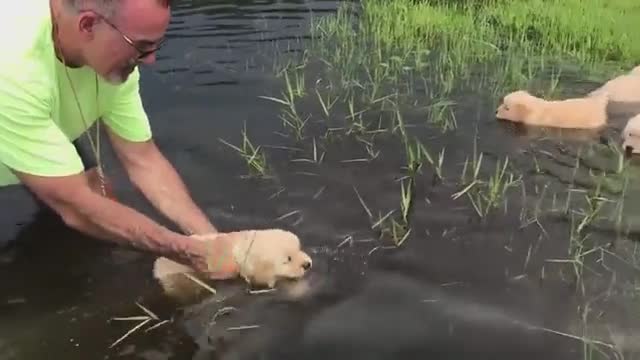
(205,237)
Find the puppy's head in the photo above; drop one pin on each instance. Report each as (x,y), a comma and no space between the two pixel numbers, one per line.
(515,106)
(631,136)
(290,261)
(273,254)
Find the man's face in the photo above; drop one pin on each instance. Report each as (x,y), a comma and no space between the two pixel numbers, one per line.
(115,46)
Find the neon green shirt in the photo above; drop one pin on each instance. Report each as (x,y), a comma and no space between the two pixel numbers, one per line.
(39,116)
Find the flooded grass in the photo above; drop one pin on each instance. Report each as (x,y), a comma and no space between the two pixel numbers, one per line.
(254,156)
(406,79)
(486,45)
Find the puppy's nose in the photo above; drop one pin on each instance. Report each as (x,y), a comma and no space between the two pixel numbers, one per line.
(306,265)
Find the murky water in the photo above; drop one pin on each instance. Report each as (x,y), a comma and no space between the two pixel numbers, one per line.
(457,288)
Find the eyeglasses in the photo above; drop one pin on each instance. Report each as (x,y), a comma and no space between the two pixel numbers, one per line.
(142,53)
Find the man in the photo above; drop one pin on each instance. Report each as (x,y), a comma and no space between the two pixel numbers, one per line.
(65,64)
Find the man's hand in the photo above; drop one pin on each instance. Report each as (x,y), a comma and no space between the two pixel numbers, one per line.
(156,178)
(219,263)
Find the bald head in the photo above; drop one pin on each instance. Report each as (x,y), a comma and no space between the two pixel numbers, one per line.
(108,8)
(112,36)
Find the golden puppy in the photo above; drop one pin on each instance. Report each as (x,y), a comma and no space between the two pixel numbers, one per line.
(624,88)
(263,257)
(577,113)
(631,136)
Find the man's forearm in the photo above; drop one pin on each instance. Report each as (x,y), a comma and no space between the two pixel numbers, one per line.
(108,220)
(162,186)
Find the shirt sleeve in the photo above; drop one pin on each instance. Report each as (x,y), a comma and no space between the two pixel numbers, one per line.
(126,115)
(30,141)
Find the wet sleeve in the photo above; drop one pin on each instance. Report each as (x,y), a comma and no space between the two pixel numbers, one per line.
(30,141)
(126,115)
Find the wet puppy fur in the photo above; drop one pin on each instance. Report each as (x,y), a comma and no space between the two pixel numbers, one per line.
(264,257)
(575,113)
(631,136)
(622,89)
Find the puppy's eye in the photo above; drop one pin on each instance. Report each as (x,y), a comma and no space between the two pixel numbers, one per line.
(289,259)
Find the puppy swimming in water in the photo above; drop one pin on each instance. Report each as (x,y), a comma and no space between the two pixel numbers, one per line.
(575,113)
(266,256)
(263,257)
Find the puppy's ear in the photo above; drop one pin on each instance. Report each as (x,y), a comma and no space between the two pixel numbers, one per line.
(520,107)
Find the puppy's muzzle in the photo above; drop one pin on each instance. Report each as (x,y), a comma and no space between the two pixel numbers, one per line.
(306,265)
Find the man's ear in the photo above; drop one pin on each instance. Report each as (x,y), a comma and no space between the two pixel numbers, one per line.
(86,24)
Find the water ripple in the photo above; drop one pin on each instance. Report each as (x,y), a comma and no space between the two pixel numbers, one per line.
(215,43)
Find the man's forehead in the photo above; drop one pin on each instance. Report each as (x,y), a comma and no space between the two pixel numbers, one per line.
(145,21)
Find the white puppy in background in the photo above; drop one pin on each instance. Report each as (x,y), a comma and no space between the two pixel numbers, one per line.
(631,136)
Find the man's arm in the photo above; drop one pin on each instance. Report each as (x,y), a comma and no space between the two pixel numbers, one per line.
(43,158)
(84,210)
(130,133)
(157,179)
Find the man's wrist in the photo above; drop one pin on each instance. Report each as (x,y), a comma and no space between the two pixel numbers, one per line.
(203,228)
(182,248)
(216,250)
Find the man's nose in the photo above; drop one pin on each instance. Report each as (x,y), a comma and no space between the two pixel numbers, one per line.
(149,59)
